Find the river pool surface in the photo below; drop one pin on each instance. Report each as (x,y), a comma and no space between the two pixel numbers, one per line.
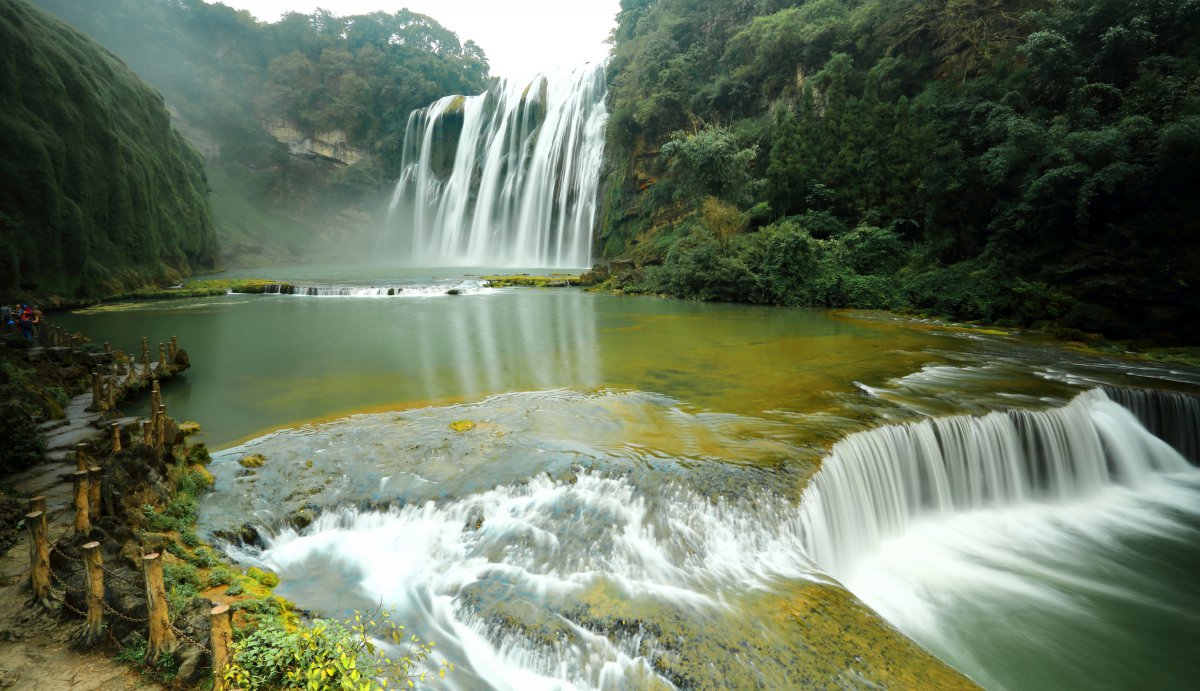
(633,478)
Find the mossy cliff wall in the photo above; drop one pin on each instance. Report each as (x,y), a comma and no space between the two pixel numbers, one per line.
(98,193)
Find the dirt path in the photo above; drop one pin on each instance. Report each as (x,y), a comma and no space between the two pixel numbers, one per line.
(36,651)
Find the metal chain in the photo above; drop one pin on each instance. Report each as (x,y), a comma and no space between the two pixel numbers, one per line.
(122,615)
(119,577)
(64,584)
(64,555)
(189,639)
(63,599)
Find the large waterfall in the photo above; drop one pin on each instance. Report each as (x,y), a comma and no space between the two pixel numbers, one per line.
(505,178)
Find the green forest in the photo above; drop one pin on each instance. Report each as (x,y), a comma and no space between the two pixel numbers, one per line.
(228,76)
(1018,162)
(98,193)
(1013,161)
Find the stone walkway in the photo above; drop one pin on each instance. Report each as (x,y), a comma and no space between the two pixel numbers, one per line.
(36,652)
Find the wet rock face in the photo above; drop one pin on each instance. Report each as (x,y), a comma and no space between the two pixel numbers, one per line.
(416,456)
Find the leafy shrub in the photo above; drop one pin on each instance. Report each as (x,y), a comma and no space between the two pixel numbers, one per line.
(198,453)
(331,655)
(219,576)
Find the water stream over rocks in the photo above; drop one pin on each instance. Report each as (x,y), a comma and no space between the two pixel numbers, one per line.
(659,494)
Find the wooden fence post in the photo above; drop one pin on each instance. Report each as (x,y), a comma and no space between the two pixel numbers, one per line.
(95,598)
(155,401)
(83,525)
(172,349)
(81,461)
(160,434)
(221,620)
(94,475)
(96,390)
(145,358)
(116,437)
(131,376)
(147,433)
(162,359)
(162,638)
(107,347)
(39,557)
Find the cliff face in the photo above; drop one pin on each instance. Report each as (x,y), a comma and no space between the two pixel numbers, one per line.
(301,121)
(333,145)
(97,192)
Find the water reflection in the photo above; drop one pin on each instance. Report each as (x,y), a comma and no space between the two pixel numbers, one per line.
(271,361)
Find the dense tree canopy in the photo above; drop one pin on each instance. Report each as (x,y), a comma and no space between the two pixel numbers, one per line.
(361,74)
(228,79)
(1025,160)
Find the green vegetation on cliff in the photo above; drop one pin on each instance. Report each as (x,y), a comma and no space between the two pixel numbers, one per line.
(98,193)
(1007,160)
(339,89)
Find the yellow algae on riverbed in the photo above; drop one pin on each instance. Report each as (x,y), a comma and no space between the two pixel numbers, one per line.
(462,426)
(844,633)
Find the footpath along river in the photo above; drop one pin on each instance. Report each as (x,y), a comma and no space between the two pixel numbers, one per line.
(629,507)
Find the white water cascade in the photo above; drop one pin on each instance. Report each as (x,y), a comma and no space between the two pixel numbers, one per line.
(1045,513)
(1063,524)
(505,178)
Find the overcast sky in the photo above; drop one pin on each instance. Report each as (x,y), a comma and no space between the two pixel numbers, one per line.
(520,37)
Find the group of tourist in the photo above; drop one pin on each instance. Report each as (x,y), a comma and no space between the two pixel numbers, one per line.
(21,318)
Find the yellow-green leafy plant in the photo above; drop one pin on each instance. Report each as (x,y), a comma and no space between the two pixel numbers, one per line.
(364,653)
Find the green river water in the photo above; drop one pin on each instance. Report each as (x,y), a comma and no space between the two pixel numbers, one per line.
(706,422)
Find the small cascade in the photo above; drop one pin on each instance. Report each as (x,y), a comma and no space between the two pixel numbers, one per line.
(504,577)
(459,288)
(505,178)
(1171,416)
(875,485)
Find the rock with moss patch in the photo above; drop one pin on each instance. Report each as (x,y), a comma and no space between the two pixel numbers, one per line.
(462,426)
(188,428)
(254,460)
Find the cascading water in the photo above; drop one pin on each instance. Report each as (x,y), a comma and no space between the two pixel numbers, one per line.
(1174,417)
(505,178)
(1049,518)
(1067,525)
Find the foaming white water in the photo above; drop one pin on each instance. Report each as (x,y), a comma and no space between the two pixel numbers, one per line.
(510,600)
(874,485)
(506,178)
(1052,524)
(467,287)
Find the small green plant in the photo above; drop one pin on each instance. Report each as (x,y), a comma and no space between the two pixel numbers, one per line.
(198,453)
(204,558)
(219,576)
(333,655)
(235,590)
(165,668)
(58,395)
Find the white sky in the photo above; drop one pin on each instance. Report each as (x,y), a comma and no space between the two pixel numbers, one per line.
(520,37)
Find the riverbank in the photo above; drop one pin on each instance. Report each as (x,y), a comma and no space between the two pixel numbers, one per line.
(141,481)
